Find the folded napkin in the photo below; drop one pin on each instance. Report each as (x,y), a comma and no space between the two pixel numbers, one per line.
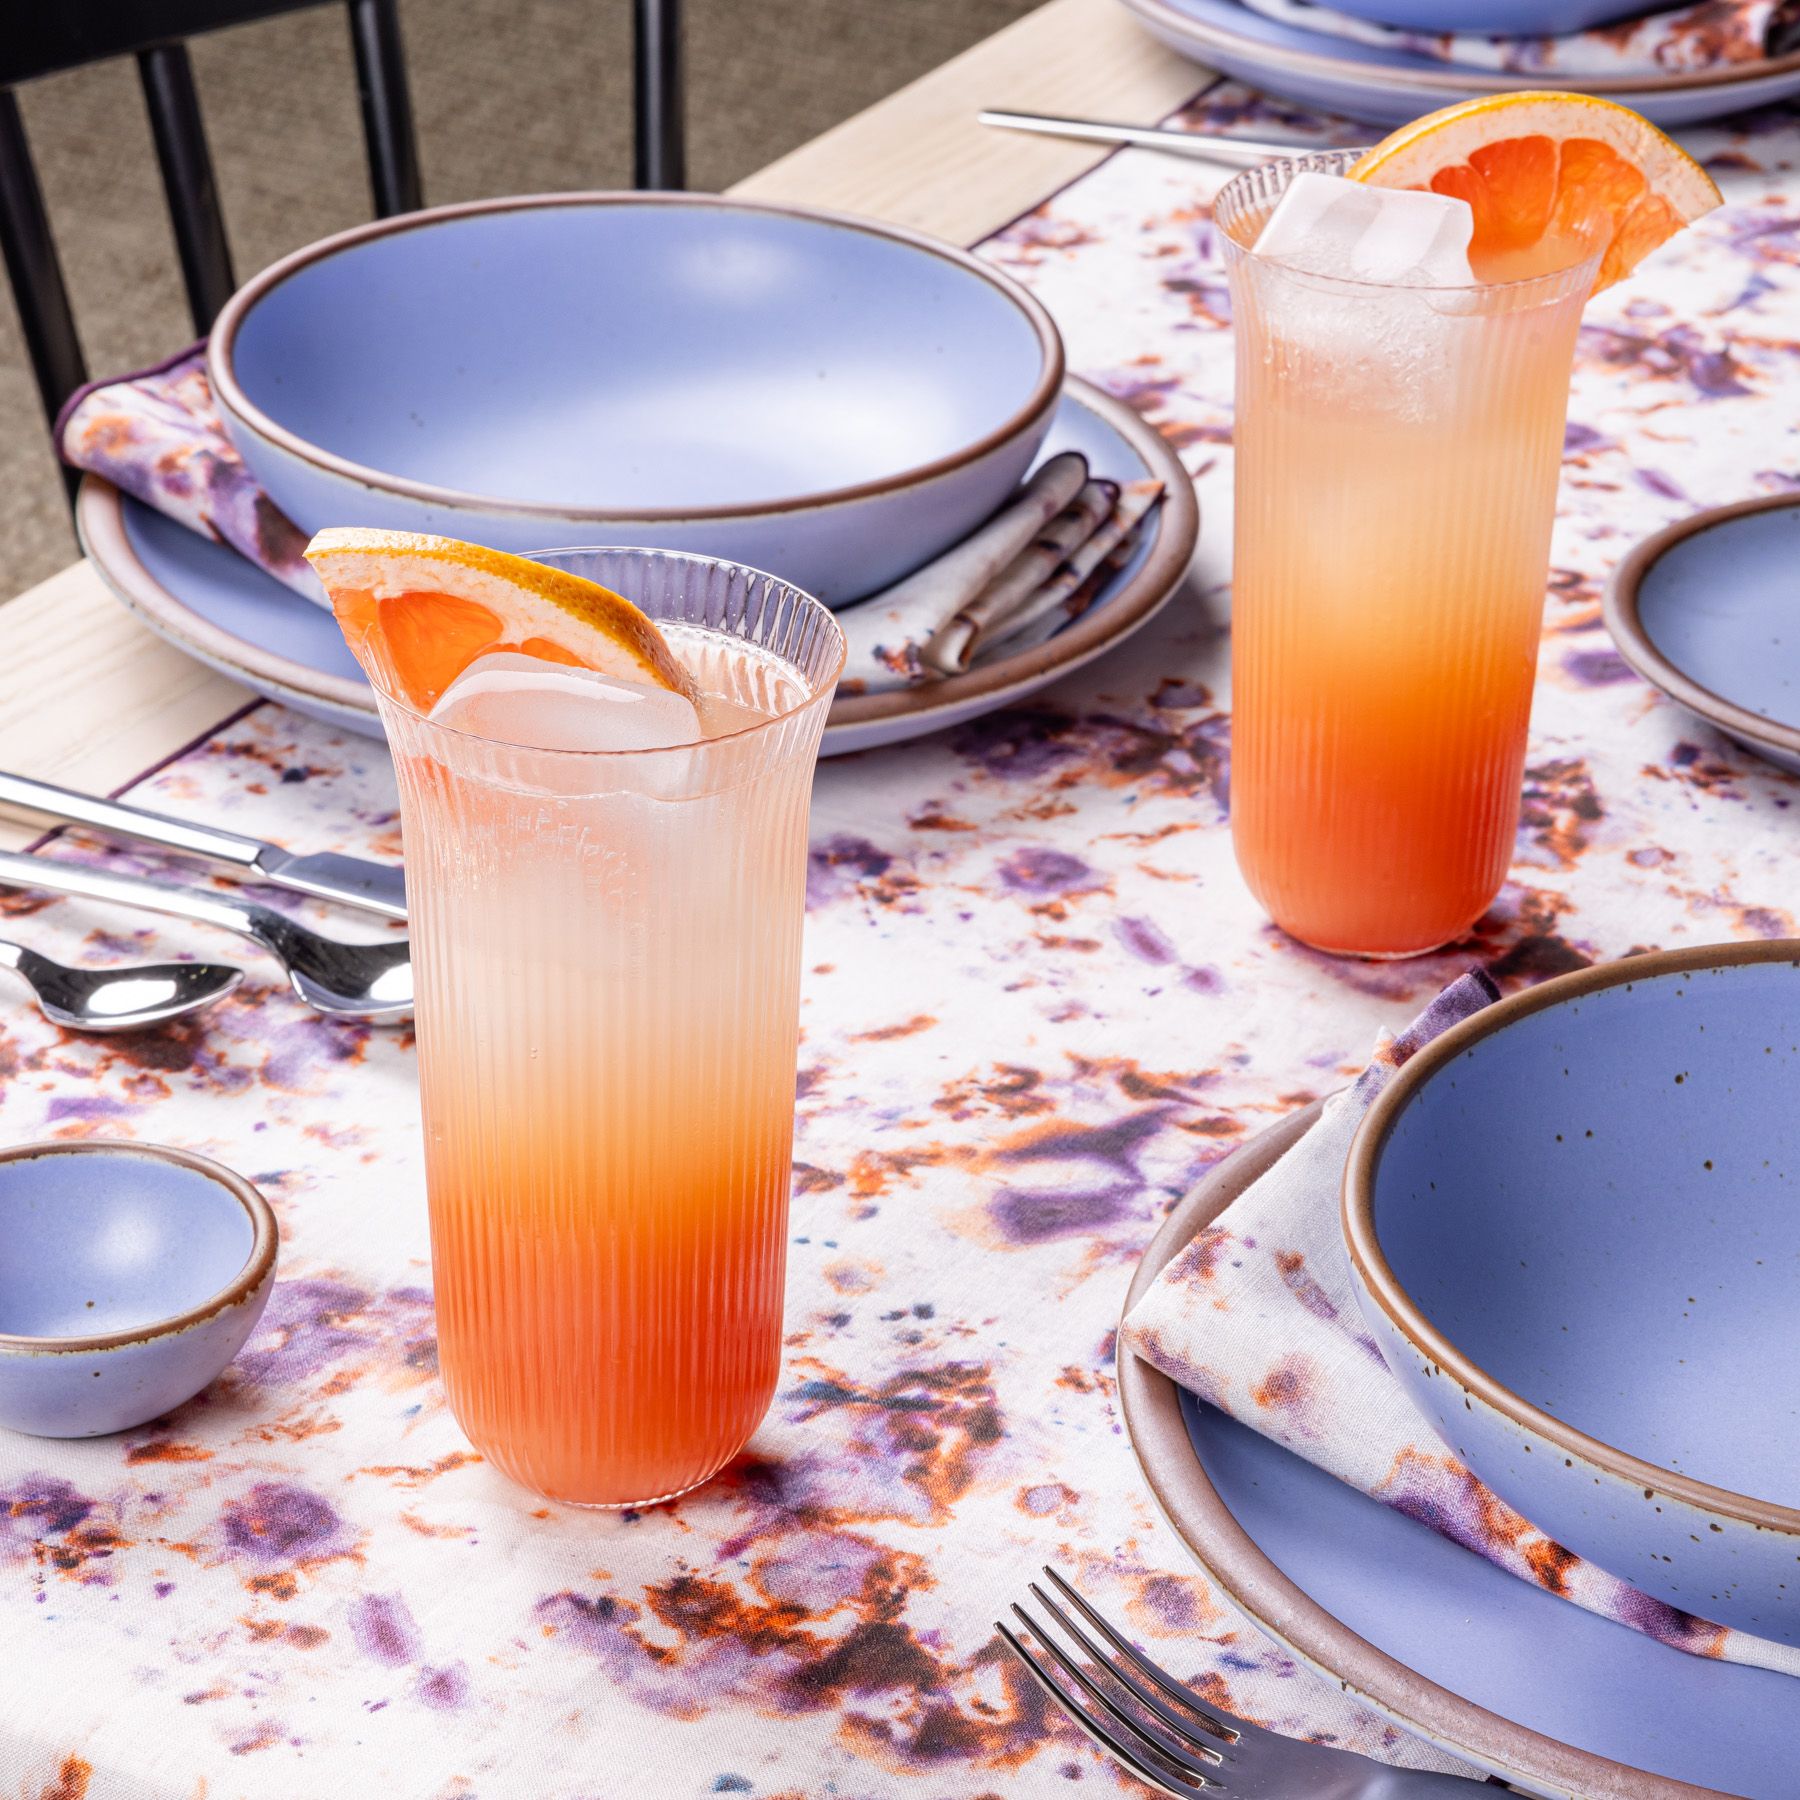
(1708,35)
(1038,563)
(157,435)
(1258,1316)
(1035,565)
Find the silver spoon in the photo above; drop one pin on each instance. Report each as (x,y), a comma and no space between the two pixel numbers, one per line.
(343,981)
(118,999)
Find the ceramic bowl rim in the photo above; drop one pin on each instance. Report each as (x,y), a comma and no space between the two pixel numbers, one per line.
(258,1265)
(1453,84)
(1619,608)
(1150,1403)
(1036,408)
(100,525)
(1377,1280)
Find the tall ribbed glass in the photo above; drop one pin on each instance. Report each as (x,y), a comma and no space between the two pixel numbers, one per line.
(607,954)
(1397,452)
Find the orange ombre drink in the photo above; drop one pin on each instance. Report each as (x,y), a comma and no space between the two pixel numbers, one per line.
(1397,454)
(607,951)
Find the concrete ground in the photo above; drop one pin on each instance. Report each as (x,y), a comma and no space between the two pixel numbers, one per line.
(511,96)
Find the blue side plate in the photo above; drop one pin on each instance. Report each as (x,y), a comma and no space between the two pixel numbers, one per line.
(1484,1634)
(1706,610)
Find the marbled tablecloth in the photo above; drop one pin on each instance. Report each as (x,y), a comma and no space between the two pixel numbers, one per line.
(1038,1005)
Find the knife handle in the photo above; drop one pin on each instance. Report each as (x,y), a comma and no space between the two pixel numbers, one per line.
(128,821)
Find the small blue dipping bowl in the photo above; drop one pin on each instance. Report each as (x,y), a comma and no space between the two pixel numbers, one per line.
(130,1275)
(828,399)
(1574,1226)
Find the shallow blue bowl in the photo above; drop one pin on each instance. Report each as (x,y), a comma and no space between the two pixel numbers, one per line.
(1574,1224)
(130,1275)
(1496,18)
(829,399)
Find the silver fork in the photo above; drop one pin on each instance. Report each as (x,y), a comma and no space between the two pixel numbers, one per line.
(1199,1750)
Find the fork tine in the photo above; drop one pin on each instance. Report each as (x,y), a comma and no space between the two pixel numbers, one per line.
(1183,1728)
(1093,1730)
(1232,1730)
(1141,1732)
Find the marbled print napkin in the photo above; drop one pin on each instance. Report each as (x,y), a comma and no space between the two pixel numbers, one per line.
(1258,1317)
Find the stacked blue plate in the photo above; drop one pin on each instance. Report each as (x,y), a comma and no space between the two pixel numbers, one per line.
(1388,85)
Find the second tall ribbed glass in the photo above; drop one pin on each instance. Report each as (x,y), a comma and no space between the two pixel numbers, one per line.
(1397,452)
(607,953)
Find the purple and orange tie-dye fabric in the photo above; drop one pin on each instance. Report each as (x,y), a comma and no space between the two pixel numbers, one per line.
(1038,1006)
(158,435)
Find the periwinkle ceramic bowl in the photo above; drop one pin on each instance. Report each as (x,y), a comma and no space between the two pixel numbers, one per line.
(1574,1226)
(827,398)
(130,1275)
(1498,18)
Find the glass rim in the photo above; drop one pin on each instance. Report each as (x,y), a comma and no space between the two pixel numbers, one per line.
(821,690)
(1334,162)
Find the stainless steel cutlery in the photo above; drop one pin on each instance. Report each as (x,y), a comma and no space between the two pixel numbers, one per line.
(373,981)
(118,999)
(349,880)
(1172,1741)
(1235,153)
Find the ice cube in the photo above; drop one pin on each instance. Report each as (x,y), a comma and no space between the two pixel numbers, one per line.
(524,700)
(1327,225)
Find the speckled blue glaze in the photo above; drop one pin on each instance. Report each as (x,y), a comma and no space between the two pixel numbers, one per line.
(830,400)
(1473,1629)
(1588,1203)
(130,1275)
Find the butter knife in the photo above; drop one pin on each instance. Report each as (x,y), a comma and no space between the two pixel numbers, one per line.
(349,880)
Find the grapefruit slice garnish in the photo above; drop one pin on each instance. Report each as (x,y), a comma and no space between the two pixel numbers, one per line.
(1547,175)
(417,610)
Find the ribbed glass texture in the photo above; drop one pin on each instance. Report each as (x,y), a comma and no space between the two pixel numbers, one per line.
(1397,452)
(607,953)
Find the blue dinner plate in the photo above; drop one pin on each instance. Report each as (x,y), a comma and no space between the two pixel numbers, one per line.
(1493,1669)
(1705,610)
(1501,18)
(1390,87)
(210,602)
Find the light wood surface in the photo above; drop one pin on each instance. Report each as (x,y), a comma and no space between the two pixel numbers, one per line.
(89,698)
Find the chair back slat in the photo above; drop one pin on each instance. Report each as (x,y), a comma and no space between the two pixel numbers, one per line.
(32,267)
(394,183)
(659,149)
(188,181)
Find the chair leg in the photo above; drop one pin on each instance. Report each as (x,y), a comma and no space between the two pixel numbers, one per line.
(386,108)
(661,149)
(36,275)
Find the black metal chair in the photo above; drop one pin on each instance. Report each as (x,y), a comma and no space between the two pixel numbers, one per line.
(53,35)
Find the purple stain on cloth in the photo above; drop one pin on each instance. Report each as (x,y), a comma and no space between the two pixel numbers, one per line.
(385,1630)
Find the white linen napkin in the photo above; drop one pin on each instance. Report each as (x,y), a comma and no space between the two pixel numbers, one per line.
(1016,581)
(1258,1317)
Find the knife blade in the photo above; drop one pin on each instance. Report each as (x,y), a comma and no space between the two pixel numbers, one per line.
(325,875)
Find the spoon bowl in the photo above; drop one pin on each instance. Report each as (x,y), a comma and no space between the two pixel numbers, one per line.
(368,981)
(129,999)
